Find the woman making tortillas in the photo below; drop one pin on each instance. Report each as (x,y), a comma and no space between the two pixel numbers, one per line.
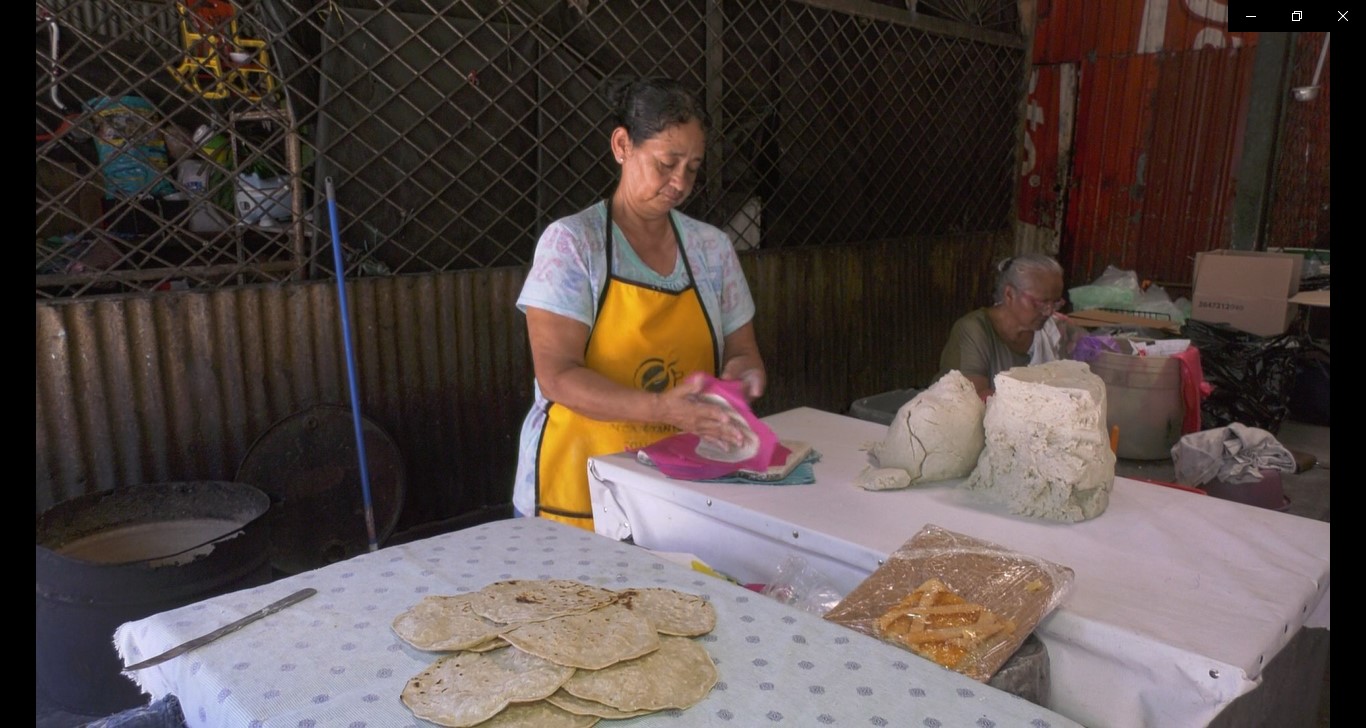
(623,301)
(1022,327)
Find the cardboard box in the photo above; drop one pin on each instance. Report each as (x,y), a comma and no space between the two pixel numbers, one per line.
(1311,298)
(1247,290)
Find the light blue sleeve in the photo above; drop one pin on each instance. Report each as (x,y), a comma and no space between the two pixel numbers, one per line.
(737,304)
(565,275)
(721,281)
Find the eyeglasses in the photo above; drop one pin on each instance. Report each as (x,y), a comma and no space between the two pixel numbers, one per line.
(1042,306)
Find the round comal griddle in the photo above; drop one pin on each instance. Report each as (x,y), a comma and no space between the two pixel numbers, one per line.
(307,464)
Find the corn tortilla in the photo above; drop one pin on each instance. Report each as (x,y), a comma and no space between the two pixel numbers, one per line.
(530,600)
(677,675)
(672,612)
(444,623)
(590,641)
(468,688)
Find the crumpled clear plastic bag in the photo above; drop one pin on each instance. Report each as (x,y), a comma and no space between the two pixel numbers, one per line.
(1155,300)
(799,585)
(1013,586)
(1120,290)
(1114,288)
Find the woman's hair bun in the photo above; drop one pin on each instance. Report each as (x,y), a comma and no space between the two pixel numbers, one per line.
(616,90)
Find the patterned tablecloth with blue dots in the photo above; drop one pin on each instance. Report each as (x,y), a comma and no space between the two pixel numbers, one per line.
(333,659)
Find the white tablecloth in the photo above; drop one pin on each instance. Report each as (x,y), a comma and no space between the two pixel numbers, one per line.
(333,659)
(1179,600)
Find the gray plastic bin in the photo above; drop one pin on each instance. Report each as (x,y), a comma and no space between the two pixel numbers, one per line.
(881,408)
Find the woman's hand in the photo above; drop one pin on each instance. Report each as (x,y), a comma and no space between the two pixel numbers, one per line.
(684,409)
(557,346)
(754,378)
(743,362)
(1071,334)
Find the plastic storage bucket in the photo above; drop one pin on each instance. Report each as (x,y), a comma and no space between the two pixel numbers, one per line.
(1143,398)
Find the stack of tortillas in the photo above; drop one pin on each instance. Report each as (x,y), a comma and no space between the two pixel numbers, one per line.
(556,652)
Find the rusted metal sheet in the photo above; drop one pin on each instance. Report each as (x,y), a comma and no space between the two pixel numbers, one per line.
(1103,202)
(1161,102)
(1299,214)
(1069,30)
(177,386)
(1050,111)
(1199,114)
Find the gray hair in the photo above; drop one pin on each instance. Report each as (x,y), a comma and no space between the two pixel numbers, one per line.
(1011,271)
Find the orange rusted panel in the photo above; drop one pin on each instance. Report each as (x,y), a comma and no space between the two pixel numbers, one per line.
(1048,125)
(1161,99)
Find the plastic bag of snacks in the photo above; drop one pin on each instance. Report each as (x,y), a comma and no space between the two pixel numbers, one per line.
(961,602)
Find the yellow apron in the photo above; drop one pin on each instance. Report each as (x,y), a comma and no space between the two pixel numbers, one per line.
(644,338)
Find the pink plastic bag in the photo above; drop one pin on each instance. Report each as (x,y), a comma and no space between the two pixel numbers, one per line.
(686,456)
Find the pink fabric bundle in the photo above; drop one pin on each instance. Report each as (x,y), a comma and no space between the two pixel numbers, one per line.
(687,457)
(1194,388)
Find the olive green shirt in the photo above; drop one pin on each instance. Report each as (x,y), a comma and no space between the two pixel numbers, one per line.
(974,348)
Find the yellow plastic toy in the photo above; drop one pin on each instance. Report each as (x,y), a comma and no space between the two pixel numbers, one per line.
(219,62)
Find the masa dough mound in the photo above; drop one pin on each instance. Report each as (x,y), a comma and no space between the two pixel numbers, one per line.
(938,434)
(1047,453)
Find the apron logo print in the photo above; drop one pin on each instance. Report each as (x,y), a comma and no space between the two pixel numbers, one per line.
(656,375)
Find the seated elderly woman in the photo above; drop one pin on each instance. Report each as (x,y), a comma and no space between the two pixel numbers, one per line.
(1022,327)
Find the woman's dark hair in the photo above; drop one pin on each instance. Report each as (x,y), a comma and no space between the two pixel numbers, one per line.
(648,106)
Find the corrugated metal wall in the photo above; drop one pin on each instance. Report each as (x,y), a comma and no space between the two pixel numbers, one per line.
(1160,186)
(178,386)
(1160,111)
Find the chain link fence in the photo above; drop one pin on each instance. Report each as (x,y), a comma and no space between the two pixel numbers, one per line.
(209,143)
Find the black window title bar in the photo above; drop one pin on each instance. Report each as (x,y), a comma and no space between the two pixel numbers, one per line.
(1246,16)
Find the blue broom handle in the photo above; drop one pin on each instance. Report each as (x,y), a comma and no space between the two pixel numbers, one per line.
(350,362)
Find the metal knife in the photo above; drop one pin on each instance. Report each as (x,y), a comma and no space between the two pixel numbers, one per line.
(226,629)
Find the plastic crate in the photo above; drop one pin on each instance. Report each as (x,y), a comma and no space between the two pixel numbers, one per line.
(881,408)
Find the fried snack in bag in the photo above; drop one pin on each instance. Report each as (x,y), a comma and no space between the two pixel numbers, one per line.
(961,602)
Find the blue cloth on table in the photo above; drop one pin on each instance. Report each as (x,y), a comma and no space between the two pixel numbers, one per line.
(163,713)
